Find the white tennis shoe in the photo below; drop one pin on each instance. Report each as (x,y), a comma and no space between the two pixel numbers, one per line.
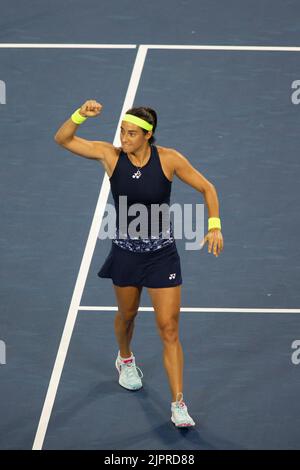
(129,373)
(180,416)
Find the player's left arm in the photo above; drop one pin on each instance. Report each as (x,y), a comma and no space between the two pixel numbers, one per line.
(185,171)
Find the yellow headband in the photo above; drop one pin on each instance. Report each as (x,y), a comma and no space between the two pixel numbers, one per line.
(138,122)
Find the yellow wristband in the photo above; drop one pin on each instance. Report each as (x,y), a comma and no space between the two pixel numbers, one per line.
(77,118)
(214,222)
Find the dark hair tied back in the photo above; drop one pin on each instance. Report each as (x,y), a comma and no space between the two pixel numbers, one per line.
(149,115)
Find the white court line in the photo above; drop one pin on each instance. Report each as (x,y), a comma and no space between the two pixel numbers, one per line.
(67,46)
(202,47)
(203,309)
(225,48)
(85,264)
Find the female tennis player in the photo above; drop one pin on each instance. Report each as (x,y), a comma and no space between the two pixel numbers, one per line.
(143,172)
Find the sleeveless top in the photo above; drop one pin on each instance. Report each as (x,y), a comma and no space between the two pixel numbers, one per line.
(150,188)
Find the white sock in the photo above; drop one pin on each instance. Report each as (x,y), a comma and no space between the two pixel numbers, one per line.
(174,403)
(125,358)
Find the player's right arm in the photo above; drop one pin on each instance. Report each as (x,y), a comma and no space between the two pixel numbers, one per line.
(65,136)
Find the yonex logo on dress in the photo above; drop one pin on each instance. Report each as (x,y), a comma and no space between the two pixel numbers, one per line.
(172,276)
(2,92)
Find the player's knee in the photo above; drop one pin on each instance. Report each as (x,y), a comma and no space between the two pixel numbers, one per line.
(169,331)
(128,315)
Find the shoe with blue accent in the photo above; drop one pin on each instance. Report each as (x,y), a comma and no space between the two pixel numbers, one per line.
(180,416)
(129,373)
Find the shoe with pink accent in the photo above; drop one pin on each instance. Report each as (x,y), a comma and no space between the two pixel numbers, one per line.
(129,373)
(180,416)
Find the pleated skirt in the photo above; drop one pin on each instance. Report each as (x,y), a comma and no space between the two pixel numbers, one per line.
(159,268)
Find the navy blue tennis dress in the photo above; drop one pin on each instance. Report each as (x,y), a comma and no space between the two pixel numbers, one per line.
(135,261)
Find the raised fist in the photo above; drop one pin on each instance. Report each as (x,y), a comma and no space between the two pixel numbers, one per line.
(90,108)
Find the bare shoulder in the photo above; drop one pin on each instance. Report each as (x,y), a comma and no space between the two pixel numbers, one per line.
(170,156)
(168,151)
(106,149)
(110,157)
(177,164)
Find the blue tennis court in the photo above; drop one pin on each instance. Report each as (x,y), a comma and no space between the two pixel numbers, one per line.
(221,80)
